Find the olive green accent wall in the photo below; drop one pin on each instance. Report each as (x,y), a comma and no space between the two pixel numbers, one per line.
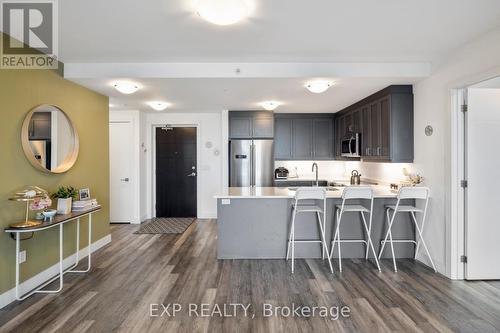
(21,90)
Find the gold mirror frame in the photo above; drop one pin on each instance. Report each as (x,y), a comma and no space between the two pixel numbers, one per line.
(68,162)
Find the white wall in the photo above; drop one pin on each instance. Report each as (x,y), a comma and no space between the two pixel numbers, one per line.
(209,165)
(475,61)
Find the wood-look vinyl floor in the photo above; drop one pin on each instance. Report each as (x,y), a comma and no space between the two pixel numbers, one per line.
(135,271)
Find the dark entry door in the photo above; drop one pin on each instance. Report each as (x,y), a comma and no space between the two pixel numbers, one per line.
(176,172)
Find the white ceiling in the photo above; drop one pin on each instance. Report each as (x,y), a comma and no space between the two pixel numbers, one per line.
(201,95)
(153,42)
(278,30)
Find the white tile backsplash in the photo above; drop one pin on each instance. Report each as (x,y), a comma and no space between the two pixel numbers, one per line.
(383,173)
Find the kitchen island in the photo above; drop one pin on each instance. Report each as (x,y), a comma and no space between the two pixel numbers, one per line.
(253,223)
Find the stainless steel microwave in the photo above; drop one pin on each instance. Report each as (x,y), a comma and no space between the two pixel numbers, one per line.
(350,145)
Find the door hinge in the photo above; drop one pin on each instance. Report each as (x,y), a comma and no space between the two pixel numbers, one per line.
(464,183)
(463,259)
(465,108)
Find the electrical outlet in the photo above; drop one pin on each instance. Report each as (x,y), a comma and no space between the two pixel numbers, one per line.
(22,256)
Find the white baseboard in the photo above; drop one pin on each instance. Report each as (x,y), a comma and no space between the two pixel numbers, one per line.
(10,295)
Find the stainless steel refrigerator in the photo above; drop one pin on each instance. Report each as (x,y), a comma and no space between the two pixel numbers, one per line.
(251,163)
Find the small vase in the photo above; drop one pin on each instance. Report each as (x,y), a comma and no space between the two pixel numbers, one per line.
(64,205)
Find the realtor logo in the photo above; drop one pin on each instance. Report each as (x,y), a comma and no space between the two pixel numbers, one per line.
(29,39)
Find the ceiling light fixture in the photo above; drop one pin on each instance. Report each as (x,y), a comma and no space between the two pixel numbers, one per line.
(126,87)
(270,105)
(318,86)
(222,12)
(158,105)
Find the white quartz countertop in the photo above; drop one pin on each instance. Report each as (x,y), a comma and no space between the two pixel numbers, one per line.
(379,191)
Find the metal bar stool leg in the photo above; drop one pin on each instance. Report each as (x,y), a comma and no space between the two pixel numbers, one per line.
(423,242)
(290,234)
(337,238)
(369,241)
(323,243)
(389,234)
(386,234)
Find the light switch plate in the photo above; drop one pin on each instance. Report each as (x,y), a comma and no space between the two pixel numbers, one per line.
(226,201)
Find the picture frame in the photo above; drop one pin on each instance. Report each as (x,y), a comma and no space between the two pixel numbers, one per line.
(84,194)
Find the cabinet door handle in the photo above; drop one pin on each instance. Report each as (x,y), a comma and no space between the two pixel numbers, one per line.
(378,151)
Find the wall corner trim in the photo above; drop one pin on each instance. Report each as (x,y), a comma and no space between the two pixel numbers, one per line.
(10,295)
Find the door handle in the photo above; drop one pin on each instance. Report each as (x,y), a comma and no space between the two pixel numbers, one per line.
(192,174)
(125,179)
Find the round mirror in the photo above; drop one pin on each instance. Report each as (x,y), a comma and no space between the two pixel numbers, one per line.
(49,139)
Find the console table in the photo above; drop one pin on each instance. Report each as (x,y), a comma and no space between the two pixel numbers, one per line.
(57,221)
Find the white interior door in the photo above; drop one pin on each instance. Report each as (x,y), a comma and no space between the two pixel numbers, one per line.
(121,181)
(483,192)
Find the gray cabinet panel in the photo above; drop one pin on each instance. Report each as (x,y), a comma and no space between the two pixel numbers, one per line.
(302,138)
(385,148)
(283,138)
(322,138)
(263,127)
(240,128)
(251,125)
(366,134)
(385,120)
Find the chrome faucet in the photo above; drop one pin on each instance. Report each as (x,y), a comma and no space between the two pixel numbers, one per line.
(313,167)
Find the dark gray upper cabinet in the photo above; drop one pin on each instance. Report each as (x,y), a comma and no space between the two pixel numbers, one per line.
(263,125)
(304,137)
(283,138)
(385,123)
(251,125)
(323,138)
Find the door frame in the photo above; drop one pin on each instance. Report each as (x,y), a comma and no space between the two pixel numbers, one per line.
(133,117)
(153,164)
(458,172)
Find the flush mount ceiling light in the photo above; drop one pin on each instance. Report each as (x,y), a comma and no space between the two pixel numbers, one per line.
(270,105)
(158,105)
(222,12)
(318,86)
(126,87)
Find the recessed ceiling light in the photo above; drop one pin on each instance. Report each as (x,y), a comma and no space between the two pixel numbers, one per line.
(318,86)
(270,105)
(158,105)
(222,12)
(126,87)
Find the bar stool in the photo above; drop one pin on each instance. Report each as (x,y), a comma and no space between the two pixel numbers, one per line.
(302,194)
(408,192)
(351,193)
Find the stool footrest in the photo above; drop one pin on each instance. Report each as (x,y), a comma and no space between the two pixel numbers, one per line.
(399,241)
(306,241)
(351,241)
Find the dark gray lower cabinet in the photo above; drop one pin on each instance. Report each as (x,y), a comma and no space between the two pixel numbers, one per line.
(304,137)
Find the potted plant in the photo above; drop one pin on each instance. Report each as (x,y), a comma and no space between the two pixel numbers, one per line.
(64,196)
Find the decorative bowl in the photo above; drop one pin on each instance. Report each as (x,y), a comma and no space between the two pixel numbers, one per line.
(49,213)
